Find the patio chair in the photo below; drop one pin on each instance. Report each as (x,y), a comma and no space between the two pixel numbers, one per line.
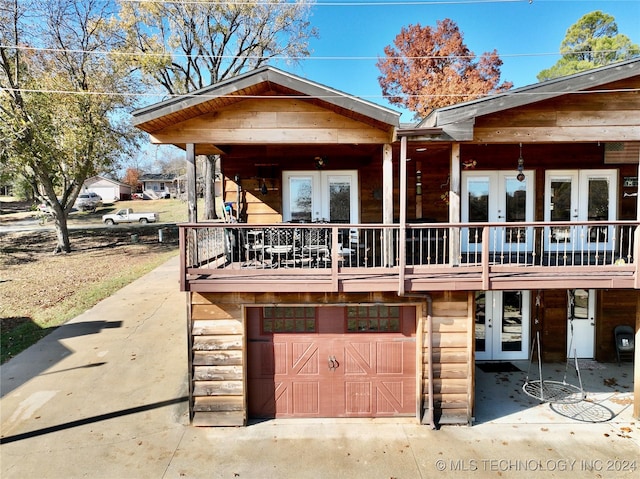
(316,245)
(280,244)
(624,338)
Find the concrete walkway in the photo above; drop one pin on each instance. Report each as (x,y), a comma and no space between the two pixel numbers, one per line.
(104,396)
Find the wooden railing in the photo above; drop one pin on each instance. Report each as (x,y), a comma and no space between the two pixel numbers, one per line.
(210,249)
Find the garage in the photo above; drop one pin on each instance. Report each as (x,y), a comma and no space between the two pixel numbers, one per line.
(337,361)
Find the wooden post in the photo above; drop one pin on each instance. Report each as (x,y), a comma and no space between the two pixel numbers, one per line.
(418,189)
(192,196)
(387,202)
(403,214)
(636,363)
(454,204)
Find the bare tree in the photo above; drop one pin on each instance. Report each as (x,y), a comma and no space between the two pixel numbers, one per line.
(183,46)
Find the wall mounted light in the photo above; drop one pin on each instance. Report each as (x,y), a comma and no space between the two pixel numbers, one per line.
(320,162)
(520,176)
(418,182)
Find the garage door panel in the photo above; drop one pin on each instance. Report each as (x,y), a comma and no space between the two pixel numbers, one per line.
(390,397)
(305,359)
(389,358)
(357,398)
(306,398)
(357,358)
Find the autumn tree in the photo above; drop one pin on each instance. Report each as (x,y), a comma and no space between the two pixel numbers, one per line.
(428,68)
(183,46)
(593,41)
(60,95)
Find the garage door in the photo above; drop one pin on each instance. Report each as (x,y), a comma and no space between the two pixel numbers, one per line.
(332,362)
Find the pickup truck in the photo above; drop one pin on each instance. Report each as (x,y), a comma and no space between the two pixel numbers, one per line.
(126,215)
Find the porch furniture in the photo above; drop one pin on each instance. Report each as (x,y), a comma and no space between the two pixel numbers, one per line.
(254,248)
(280,245)
(625,344)
(316,245)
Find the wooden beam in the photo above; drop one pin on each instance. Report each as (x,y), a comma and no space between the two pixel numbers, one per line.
(636,364)
(557,134)
(454,203)
(191,183)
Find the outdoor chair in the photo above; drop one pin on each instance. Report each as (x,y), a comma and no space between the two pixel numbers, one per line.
(624,338)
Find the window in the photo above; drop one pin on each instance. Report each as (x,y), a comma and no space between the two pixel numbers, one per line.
(288,319)
(373,319)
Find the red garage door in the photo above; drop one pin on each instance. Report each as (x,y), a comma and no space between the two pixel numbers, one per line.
(332,362)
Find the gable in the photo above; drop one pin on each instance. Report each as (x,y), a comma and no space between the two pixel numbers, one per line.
(608,113)
(273,121)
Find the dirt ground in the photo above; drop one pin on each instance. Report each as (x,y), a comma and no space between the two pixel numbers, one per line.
(34,282)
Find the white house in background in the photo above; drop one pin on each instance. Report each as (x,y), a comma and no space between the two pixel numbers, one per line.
(108,189)
(158,185)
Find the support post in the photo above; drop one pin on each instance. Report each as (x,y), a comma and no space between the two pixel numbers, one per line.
(192,196)
(454,205)
(403,215)
(387,203)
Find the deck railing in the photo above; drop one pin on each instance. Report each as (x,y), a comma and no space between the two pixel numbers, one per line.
(208,248)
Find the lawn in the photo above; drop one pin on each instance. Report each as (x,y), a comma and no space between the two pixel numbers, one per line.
(40,291)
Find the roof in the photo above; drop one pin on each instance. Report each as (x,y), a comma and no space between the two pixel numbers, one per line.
(466,112)
(96,178)
(158,177)
(257,82)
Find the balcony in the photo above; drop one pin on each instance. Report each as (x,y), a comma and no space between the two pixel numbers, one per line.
(338,258)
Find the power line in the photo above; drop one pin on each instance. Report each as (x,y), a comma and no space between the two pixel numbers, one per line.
(319,97)
(281,57)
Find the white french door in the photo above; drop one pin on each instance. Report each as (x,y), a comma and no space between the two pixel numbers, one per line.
(580,195)
(502,325)
(497,197)
(330,196)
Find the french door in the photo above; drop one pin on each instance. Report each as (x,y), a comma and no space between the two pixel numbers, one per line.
(330,196)
(497,197)
(585,195)
(502,325)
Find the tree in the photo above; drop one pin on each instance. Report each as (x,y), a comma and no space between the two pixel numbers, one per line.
(132,178)
(58,114)
(429,68)
(183,46)
(593,41)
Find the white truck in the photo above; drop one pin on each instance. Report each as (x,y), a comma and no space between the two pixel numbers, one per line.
(126,215)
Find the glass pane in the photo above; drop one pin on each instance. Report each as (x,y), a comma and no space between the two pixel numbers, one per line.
(598,199)
(478,199)
(581,304)
(339,200)
(561,209)
(561,200)
(511,332)
(300,200)
(478,206)
(481,324)
(516,200)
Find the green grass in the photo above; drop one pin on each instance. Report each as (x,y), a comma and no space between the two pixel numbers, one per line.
(170,211)
(28,331)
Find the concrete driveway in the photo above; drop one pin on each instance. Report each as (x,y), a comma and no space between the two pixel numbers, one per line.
(105,396)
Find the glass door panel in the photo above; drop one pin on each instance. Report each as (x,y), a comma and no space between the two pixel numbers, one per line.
(562,192)
(476,209)
(516,205)
(599,204)
(301,199)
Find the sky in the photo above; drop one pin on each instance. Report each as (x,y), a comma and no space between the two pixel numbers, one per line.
(526,34)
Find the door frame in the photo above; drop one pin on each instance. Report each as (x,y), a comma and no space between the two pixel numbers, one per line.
(586,326)
(497,180)
(493,340)
(580,203)
(321,181)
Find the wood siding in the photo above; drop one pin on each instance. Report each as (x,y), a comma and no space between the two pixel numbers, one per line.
(452,358)
(613,307)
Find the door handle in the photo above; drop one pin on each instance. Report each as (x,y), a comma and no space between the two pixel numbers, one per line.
(333,363)
(489,325)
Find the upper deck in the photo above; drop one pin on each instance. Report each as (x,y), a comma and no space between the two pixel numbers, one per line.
(339,258)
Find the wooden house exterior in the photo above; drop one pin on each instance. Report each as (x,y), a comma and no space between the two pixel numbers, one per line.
(367,265)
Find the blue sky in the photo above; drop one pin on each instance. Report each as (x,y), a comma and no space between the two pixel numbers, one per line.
(526,35)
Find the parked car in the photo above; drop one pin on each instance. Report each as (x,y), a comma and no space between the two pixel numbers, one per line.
(88,201)
(126,215)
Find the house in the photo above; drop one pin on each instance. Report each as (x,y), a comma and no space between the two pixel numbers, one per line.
(373,263)
(108,189)
(158,185)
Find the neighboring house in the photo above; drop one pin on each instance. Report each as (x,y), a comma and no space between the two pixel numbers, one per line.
(380,261)
(108,189)
(158,185)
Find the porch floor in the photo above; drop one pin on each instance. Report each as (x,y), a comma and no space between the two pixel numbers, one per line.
(500,398)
